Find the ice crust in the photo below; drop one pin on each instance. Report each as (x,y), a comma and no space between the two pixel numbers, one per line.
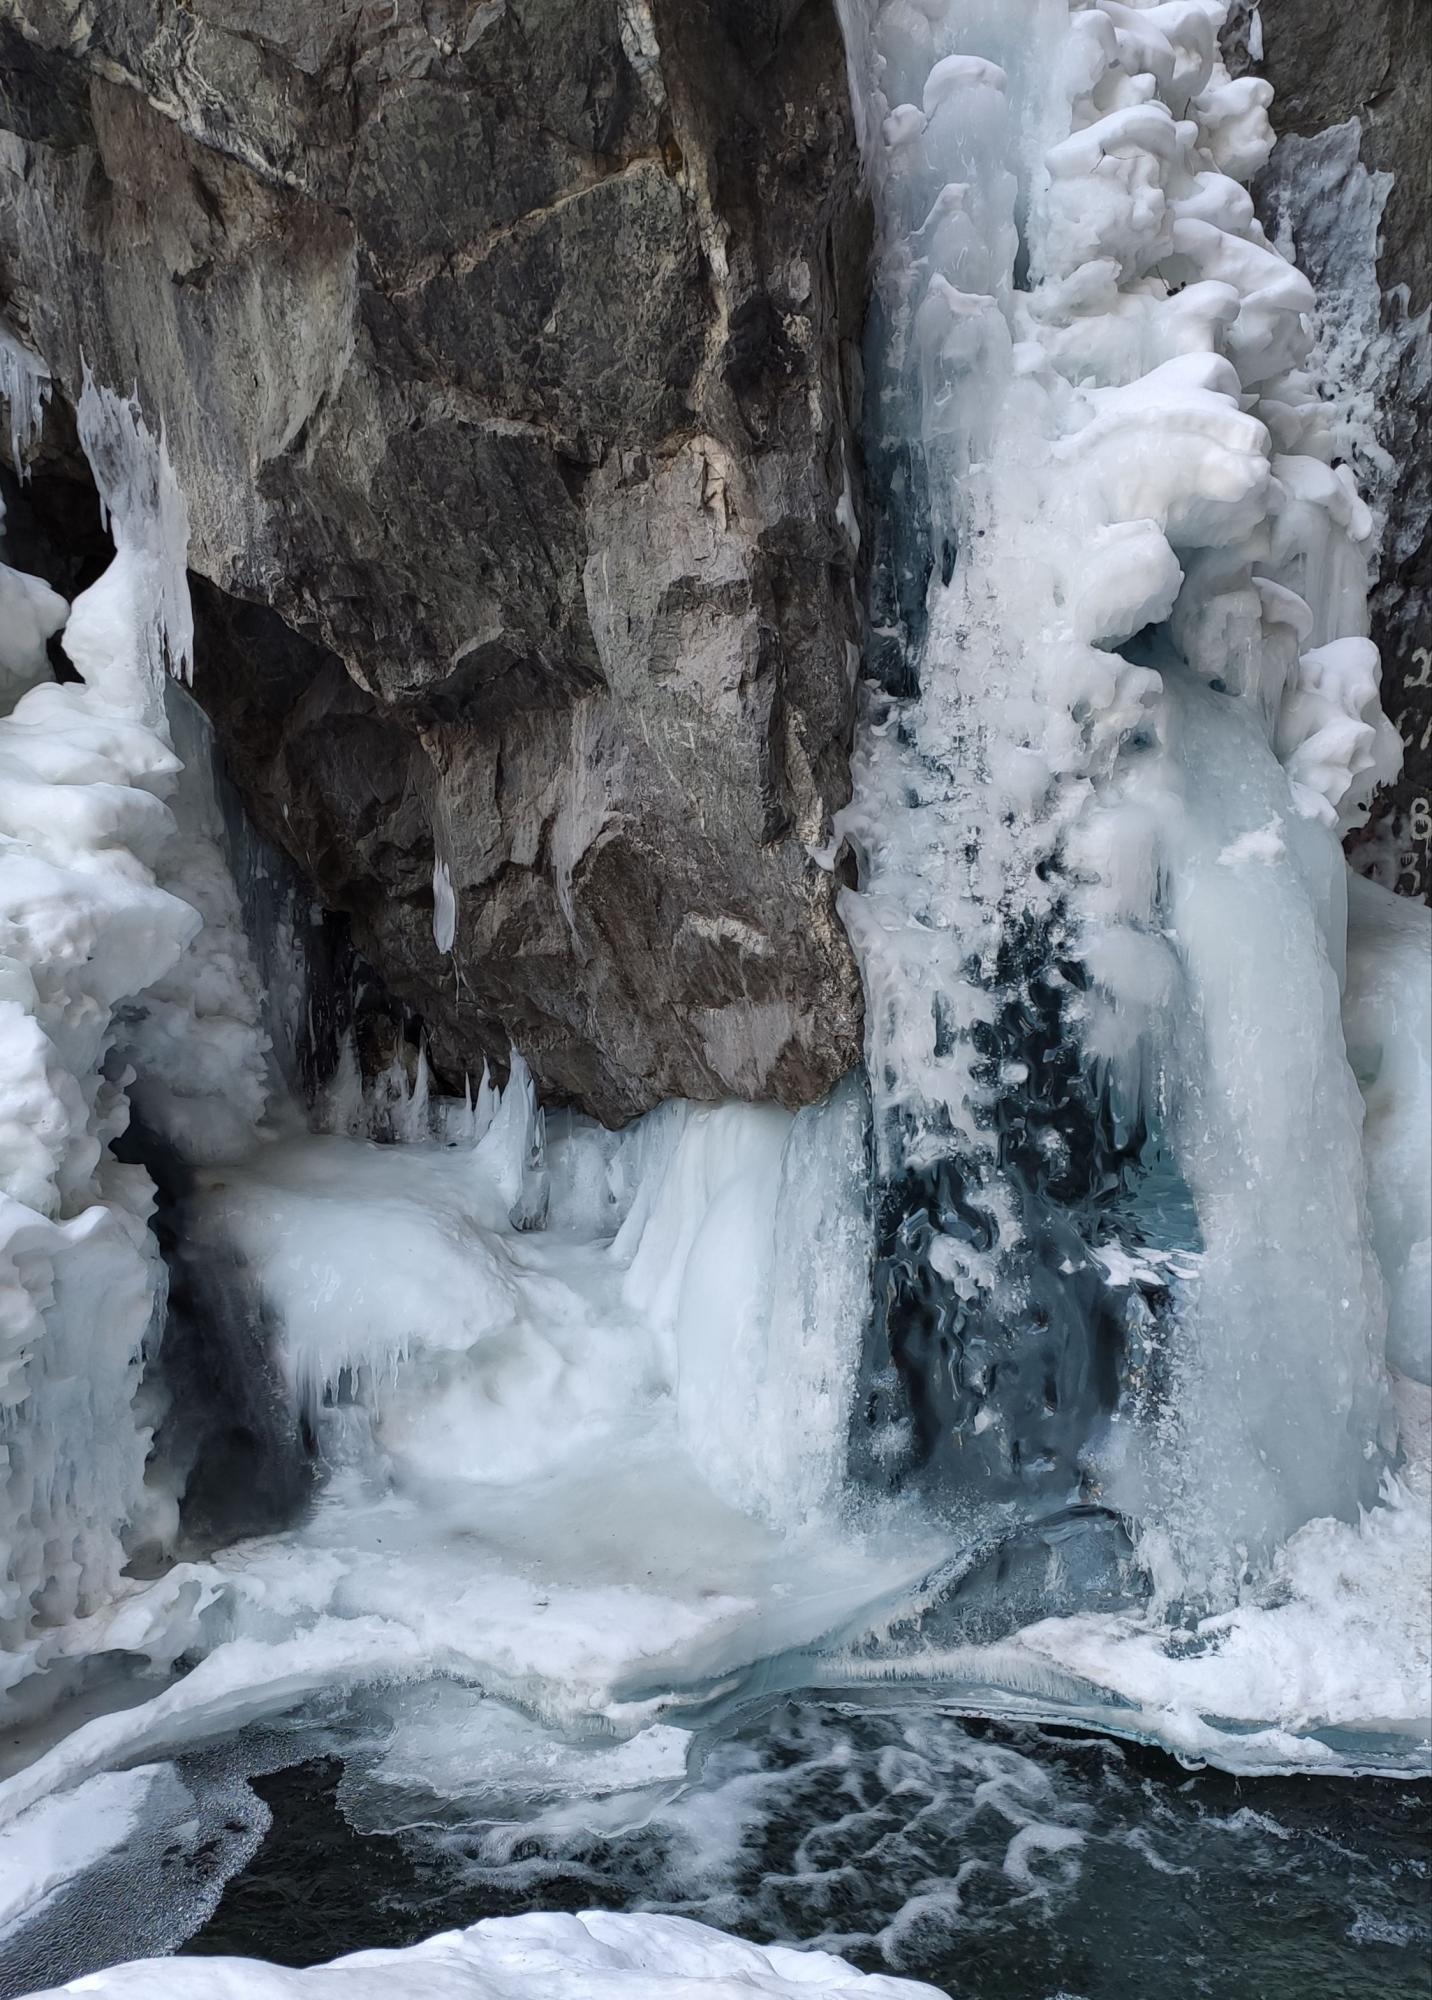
(599,1955)
(64,1835)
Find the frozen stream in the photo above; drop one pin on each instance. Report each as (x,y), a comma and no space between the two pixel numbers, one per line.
(715,1518)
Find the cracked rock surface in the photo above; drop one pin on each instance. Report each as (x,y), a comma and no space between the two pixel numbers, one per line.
(505,351)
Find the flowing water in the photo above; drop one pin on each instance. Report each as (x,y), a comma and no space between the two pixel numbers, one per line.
(1029,1862)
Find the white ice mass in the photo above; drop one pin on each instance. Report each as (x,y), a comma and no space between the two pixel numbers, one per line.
(596,1956)
(580,1421)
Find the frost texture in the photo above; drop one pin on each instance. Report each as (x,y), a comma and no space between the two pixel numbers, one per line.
(1129,705)
(1328,214)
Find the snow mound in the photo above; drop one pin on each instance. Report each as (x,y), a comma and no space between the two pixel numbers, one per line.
(595,1956)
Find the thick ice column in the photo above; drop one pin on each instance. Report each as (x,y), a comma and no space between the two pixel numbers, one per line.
(83,926)
(1118,607)
(101,900)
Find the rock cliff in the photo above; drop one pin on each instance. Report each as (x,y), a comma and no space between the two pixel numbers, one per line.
(506,354)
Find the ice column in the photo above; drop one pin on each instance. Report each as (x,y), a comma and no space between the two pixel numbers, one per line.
(94,916)
(1123,706)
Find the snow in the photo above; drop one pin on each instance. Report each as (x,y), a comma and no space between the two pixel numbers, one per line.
(543,1475)
(598,1955)
(30,614)
(83,926)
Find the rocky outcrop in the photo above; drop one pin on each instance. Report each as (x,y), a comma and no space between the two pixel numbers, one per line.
(1329,64)
(505,351)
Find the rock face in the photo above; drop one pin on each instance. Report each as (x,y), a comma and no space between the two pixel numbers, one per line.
(1329,63)
(505,351)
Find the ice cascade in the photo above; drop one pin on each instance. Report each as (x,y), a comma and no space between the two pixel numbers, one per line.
(1124,706)
(117,935)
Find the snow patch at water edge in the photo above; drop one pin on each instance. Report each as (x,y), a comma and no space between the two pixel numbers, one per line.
(63,1836)
(598,1955)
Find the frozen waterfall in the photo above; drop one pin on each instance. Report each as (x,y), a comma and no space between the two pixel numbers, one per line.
(1126,707)
(1073,1360)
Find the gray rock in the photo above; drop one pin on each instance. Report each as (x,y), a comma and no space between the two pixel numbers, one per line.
(505,354)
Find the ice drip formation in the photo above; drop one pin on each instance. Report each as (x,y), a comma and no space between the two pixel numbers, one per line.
(1074,1359)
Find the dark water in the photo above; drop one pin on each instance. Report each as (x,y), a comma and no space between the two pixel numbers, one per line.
(1008,1864)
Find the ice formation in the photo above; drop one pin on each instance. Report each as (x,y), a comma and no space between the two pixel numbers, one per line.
(1387,1015)
(600,1426)
(444,907)
(24,390)
(1129,706)
(103,904)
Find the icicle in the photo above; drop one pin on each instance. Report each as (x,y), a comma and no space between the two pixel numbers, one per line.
(444,908)
(24,389)
(143,622)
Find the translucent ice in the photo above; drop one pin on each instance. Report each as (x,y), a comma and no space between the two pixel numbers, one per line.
(24,390)
(1387,1017)
(587,1423)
